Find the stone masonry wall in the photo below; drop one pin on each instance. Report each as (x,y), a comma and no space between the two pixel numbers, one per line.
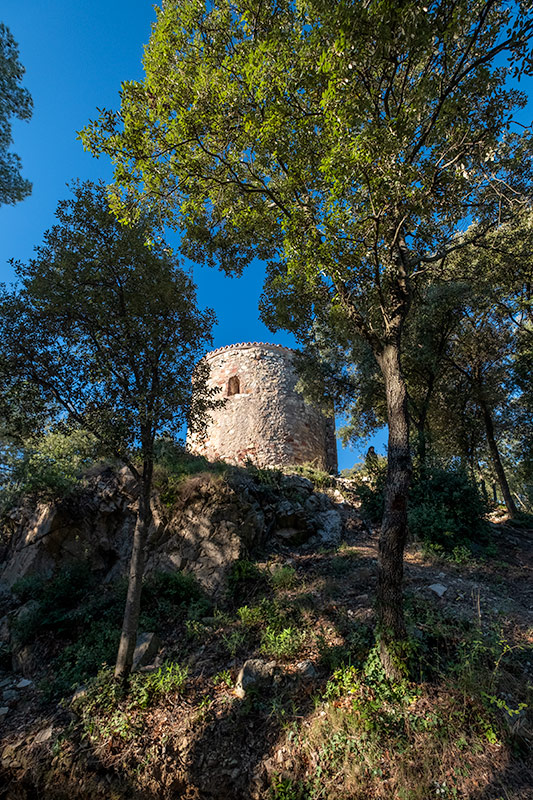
(264,419)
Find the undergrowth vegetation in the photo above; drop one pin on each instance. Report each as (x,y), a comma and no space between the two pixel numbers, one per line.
(370,737)
(327,723)
(446,511)
(344,732)
(85,618)
(106,712)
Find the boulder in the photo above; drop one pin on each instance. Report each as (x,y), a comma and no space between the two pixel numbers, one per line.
(319,501)
(306,670)
(44,735)
(290,514)
(145,651)
(254,673)
(10,695)
(23,659)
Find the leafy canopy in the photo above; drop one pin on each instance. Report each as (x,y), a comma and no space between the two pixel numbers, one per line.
(106,327)
(15,101)
(331,137)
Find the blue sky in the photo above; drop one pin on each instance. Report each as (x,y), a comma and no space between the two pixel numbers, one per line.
(76,55)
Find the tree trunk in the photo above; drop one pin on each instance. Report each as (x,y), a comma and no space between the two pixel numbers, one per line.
(130,621)
(421,444)
(497,462)
(391,624)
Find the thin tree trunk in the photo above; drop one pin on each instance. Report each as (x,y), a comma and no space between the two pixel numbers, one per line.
(497,462)
(421,444)
(130,621)
(421,425)
(394,525)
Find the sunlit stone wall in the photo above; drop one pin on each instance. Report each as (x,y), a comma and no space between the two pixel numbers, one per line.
(264,420)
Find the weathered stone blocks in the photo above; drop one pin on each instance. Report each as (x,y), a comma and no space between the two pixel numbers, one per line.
(264,419)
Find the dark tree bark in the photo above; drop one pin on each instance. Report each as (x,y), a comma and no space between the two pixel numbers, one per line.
(394,525)
(420,422)
(421,443)
(130,622)
(496,460)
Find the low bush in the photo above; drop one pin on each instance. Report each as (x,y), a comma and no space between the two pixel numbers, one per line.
(51,466)
(281,644)
(85,618)
(105,712)
(173,465)
(445,508)
(318,477)
(283,577)
(421,740)
(246,582)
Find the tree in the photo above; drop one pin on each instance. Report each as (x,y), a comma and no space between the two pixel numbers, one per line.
(348,144)
(109,329)
(482,353)
(15,101)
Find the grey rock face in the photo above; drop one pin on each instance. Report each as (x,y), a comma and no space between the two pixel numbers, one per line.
(319,501)
(297,483)
(212,523)
(329,527)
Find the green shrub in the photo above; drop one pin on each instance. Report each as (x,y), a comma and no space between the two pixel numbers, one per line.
(245,581)
(85,619)
(318,477)
(166,594)
(286,789)
(281,644)
(223,678)
(147,688)
(105,711)
(371,495)
(446,509)
(95,647)
(173,464)
(28,588)
(234,641)
(60,602)
(283,577)
(251,615)
(270,478)
(521,520)
(53,465)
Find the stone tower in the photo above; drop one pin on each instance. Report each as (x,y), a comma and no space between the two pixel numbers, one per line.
(264,419)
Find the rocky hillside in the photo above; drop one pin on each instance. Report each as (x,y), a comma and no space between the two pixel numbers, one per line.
(263,680)
(202,527)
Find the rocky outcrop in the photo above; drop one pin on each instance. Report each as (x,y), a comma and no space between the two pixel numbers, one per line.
(213,521)
(95,525)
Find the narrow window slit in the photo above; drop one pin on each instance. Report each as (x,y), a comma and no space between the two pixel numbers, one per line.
(233,386)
